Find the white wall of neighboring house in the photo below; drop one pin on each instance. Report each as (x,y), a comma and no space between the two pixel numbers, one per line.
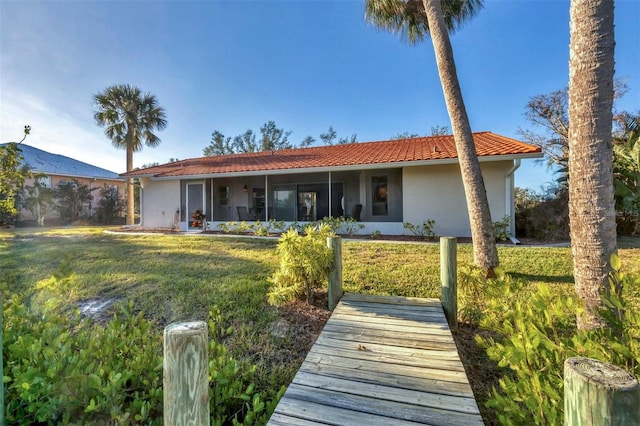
(436,192)
(160,200)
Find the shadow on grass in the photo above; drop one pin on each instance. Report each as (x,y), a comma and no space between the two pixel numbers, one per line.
(548,279)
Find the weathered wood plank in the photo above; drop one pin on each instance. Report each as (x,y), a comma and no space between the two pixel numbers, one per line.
(389,358)
(407,379)
(278,419)
(395,411)
(436,324)
(346,322)
(334,415)
(389,312)
(369,365)
(384,349)
(413,337)
(392,300)
(383,307)
(382,392)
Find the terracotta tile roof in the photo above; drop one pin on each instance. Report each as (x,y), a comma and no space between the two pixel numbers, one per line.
(423,149)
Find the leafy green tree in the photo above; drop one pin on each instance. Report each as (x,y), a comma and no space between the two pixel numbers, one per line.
(71,198)
(272,138)
(415,20)
(220,145)
(38,199)
(329,138)
(626,170)
(110,205)
(306,142)
(13,173)
(130,118)
(245,142)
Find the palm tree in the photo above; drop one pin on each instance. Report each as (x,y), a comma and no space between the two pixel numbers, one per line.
(591,201)
(129,118)
(415,20)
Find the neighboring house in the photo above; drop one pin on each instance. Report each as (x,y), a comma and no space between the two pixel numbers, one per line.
(59,169)
(383,184)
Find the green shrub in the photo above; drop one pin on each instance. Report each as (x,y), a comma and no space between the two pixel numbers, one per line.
(304,264)
(501,229)
(233,397)
(538,333)
(351,226)
(425,230)
(60,367)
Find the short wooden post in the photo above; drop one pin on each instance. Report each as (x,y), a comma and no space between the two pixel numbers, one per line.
(186,375)
(335,274)
(597,393)
(448,280)
(1,363)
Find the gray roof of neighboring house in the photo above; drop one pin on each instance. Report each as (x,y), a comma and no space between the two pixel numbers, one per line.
(54,164)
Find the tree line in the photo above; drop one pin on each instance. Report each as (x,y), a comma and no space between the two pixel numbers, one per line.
(269,138)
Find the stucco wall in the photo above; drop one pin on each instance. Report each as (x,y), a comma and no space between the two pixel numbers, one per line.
(160,200)
(436,192)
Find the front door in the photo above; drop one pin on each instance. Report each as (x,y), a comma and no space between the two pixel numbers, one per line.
(195,200)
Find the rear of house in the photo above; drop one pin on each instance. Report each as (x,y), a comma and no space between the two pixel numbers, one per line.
(381,184)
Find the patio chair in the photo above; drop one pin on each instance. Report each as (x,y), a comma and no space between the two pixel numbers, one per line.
(243,214)
(356,210)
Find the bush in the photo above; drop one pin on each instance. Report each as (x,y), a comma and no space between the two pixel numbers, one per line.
(61,368)
(304,264)
(538,333)
(425,230)
(501,229)
(111,204)
(543,216)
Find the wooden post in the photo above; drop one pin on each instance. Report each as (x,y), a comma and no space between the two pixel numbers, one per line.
(335,274)
(186,374)
(448,280)
(597,393)
(1,363)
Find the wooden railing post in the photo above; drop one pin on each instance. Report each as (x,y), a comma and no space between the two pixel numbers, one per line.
(1,363)
(597,393)
(448,280)
(335,274)
(186,374)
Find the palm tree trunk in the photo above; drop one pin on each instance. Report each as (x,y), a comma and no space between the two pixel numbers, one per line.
(485,254)
(130,198)
(591,202)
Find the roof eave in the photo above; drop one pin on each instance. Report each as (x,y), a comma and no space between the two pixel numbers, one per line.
(374,166)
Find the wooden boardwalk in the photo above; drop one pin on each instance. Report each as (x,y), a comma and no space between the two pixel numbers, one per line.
(381,361)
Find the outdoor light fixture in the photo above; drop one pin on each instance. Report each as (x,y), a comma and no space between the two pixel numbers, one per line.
(245,189)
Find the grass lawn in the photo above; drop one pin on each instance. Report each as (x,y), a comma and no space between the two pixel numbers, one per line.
(177,277)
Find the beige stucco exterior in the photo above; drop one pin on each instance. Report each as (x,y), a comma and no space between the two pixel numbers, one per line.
(416,194)
(436,192)
(160,200)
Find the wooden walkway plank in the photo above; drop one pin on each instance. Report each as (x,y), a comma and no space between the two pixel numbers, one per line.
(381,361)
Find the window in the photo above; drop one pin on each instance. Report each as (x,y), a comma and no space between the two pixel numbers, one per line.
(71,183)
(379,196)
(224,195)
(44,181)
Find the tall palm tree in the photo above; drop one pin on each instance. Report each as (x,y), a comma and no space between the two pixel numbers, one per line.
(129,118)
(416,19)
(591,201)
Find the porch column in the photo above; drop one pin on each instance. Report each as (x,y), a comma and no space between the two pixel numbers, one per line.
(330,197)
(266,198)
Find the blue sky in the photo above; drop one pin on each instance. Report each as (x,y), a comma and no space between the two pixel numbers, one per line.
(307,65)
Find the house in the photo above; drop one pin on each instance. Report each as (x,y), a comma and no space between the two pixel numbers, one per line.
(54,169)
(383,184)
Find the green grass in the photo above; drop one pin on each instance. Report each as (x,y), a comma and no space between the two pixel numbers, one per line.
(175,278)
